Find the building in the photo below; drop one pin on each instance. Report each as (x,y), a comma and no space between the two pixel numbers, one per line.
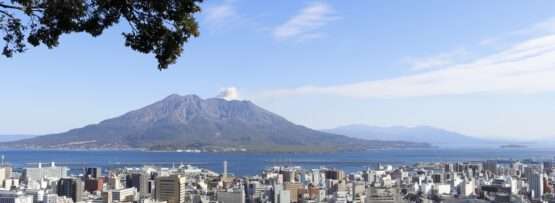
(5,173)
(293,189)
(280,195)
(467,188)
(107,196)
(236,196)
(340,197)
(70,187)
(491,166)
(53,198)
(114,181)
(382,195)
(495,193)
(442,189)
(121,195)
(358,190)
(93,172)
(13,197)
(38,195)
(170,188)
(335,174)
(139,181)
(536,185)
(124,195)
(11,183)
(438,178)
(39,173)
(289,175)
(94,184)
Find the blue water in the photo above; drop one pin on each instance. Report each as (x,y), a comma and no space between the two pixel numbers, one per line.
(253,163)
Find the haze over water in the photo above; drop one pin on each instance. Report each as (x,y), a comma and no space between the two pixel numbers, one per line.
(253,163)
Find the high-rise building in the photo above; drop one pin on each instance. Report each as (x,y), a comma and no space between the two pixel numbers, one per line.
(335,174)
(70,187)
(5,173)
(170,189)
(93,172)
(139,181)
(536,185)
(491,166)
(548,166)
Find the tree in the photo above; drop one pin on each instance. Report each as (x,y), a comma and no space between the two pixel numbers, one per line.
(160,27)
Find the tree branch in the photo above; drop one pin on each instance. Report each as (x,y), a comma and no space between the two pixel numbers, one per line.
(2,5)
(10,6)
(6,13)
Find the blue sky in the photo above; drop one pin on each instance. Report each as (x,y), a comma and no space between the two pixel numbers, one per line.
(483,68)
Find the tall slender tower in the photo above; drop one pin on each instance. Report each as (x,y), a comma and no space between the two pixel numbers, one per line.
(225,169)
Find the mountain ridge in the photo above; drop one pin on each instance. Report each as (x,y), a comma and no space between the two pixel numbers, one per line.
(429,134)
(190,122)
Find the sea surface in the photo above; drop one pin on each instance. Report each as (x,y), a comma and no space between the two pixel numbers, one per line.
(253,163)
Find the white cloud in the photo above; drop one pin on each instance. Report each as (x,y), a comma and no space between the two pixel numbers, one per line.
(543,27)
(535,30)
(221,14)
(437,61)
(230,93)
(306,23)
(527,67)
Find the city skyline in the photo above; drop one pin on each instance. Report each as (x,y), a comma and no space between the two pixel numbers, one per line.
(483,180)
(478,68)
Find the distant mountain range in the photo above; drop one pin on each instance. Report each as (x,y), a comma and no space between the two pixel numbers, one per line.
(10,138)
(189,122)
(434,136)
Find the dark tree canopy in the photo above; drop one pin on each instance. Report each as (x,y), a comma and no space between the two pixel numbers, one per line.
(160,27)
